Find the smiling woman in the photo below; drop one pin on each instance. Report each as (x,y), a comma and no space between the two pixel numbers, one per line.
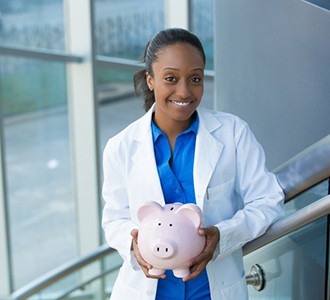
(184,152)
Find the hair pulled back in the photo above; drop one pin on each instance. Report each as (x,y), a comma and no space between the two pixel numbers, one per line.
(161,40)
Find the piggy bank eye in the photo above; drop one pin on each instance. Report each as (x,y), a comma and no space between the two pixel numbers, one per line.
(159,224)
(170,225)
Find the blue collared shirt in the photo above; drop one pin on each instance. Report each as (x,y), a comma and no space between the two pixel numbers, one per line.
(176,177)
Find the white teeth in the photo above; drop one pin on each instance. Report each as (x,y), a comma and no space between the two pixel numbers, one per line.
(181,103)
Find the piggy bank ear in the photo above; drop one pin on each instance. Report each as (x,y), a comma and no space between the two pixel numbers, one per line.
(147,209)
(192,212)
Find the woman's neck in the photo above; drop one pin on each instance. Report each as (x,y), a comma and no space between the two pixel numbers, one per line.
(172,128)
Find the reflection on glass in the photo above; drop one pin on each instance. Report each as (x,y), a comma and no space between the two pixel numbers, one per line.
(38,166)
(123,28)
(32,23)
(201,23)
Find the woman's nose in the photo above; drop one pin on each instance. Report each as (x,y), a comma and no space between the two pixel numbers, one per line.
(183,90)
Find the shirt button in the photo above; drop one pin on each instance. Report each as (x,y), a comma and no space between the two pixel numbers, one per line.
(177,191)
(149,292)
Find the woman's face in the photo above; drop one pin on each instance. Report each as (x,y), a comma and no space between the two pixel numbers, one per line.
(177,83)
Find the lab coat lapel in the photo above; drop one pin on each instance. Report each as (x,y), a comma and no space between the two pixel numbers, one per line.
(207,154)
(148,185)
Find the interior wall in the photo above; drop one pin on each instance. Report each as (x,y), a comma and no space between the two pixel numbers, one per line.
(272,66)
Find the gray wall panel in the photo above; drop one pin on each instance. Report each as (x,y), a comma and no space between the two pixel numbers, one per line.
(272,65)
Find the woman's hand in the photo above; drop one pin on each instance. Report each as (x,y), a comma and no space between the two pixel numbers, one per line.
(198,264)
(143,264)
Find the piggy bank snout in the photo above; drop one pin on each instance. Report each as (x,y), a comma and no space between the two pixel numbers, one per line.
(163,249)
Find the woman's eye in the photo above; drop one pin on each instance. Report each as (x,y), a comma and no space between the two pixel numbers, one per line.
(196,79)
(170,78)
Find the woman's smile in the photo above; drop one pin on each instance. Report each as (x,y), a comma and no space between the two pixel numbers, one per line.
(181,104)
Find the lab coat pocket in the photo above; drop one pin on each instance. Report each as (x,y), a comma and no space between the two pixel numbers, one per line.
(220,189)
(218,204)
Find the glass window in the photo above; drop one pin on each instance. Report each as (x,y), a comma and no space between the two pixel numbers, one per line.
(42,222)
(40,23)
(123,28)
(122,31)
(118,105)
(201,23)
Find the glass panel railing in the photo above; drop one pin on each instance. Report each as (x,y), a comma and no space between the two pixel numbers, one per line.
(294,266)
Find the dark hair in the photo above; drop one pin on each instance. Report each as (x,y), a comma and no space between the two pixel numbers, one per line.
(162,39)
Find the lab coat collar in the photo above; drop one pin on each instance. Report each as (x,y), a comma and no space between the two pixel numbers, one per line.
(207,153)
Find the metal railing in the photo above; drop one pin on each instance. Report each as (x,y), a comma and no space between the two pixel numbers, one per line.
(65,270)
(306,169)
(284,226)
(302,172)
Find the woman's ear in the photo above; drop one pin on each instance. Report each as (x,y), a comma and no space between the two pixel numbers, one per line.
(150,81)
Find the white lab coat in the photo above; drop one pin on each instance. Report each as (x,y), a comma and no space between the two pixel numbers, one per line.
(232,186)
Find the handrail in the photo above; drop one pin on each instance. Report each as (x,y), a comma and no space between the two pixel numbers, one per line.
(305,169)
(60,272)
(291,223)
(81,285)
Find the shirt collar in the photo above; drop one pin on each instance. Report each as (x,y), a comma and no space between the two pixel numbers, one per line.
(156,132)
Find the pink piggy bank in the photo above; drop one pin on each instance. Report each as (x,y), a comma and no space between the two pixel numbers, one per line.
(168,236)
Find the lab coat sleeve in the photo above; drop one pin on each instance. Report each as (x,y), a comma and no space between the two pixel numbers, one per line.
(259,191)
(116,219)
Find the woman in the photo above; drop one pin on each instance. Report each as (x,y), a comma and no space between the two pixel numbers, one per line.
(178,152)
